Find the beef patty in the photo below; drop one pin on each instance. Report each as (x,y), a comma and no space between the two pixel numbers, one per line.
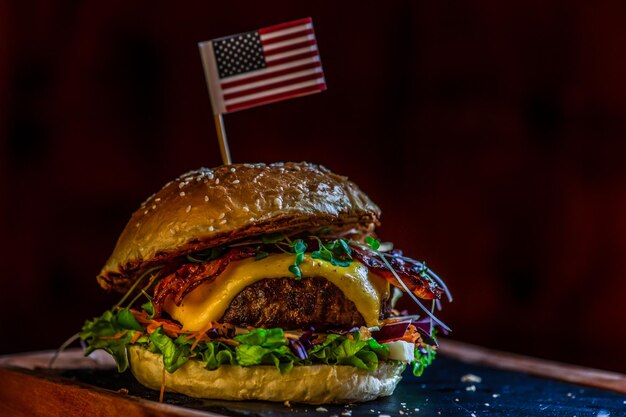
(295,304)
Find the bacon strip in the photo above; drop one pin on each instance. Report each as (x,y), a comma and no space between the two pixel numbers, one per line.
(189,276)
(422,286)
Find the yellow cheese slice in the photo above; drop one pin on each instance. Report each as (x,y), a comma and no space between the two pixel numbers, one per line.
(209,301)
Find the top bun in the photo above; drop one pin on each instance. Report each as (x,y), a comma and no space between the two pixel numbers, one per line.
(211,207)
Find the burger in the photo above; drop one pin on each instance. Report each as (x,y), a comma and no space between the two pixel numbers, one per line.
(265,282)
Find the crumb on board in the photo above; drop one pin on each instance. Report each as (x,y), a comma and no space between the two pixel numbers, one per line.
(287,404)
(497,395)
(471,378)
(321,409)
(123,391)
(471,388)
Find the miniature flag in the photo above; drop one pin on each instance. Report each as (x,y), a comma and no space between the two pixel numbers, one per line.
(270,64)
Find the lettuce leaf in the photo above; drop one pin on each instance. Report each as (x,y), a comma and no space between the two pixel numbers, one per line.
(174,354)
(216,354)
(113,332)
(422,361)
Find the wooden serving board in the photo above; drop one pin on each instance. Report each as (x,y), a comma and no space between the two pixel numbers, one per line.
(510,385)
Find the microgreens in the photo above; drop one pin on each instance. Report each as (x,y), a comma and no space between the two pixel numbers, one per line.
(337,252)
(298,247)
(207,254)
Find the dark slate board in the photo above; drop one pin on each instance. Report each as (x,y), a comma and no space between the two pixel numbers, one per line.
(438,392)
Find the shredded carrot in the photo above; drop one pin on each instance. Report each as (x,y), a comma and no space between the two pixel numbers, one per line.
(115,336)
(227,341)
(411,335)
(135,337)
(162,393)
(292,336)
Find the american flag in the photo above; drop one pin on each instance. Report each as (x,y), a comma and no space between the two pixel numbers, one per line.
(266,65)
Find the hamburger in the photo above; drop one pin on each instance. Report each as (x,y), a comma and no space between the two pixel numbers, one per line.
(266,282)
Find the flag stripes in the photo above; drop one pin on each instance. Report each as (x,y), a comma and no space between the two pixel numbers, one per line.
(290,66)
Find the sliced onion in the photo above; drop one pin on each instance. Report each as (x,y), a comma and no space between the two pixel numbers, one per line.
(298,349)
(393,331)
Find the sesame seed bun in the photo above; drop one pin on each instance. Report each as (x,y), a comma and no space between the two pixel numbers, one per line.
(310,384)
(211,207)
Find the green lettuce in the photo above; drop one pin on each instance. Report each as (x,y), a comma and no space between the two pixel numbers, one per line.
(114,330)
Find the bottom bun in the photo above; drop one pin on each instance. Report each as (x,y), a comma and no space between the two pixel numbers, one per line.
(311,384)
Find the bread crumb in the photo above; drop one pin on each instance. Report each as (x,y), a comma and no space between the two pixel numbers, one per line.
(321,409)
(188,208)
(182,194)
(471,388)
(287,404)
(471,378)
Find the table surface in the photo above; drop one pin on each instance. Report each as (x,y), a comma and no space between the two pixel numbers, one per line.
(442,390)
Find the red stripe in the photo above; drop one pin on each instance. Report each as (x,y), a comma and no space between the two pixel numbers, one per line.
(276,97)
(288,48)
(292,58)
(272,86)
(270,75)
(286,25)
(287,37)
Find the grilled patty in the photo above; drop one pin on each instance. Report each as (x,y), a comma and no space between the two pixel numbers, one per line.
(295,304)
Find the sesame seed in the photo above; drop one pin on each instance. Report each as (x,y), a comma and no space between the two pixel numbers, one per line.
(182,194)
(252,219)
(156,200)
(211,228)
(145,212)
(236,182)
(182,184)
(221,216)
(153,206)
(211,176)
(217,181)
(223,221)
(172,231)
(245,208)
(233,169)
(188,209)
(206,198)
(137,224)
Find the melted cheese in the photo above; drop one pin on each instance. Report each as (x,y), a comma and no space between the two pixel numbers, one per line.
(209,301)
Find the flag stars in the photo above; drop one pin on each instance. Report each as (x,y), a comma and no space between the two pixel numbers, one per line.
(239,54)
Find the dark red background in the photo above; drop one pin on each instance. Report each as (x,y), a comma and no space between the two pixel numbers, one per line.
(492,135)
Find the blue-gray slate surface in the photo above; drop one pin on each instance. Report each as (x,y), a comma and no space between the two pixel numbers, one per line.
(440,391)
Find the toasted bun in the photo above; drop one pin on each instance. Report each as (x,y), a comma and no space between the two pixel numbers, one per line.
(315,384)
(210,207)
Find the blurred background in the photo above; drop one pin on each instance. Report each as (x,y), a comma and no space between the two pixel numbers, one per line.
(493,136)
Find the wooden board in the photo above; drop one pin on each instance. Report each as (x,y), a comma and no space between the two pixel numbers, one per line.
(87,387)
